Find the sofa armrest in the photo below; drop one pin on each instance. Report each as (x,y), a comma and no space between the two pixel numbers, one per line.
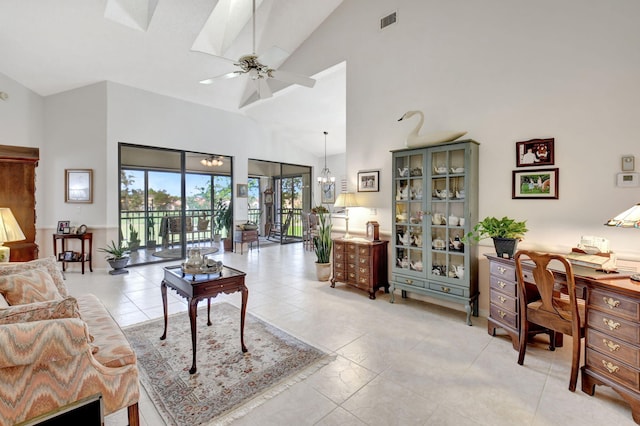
(46,341)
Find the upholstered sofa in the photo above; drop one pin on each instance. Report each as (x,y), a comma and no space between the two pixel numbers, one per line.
(56,349)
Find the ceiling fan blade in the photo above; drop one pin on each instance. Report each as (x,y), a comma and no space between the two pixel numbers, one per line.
(264,91)
(289,77)
(228,75)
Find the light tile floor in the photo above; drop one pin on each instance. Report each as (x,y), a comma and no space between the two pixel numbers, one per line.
(407,363)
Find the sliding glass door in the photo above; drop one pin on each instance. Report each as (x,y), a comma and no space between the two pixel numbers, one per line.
(169,200)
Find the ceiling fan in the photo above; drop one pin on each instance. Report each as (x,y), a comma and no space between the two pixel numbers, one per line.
(258,72)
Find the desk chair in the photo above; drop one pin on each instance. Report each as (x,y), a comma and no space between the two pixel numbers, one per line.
(310,230)
(542,304)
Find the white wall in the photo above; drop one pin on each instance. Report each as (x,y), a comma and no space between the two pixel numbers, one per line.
(505,71)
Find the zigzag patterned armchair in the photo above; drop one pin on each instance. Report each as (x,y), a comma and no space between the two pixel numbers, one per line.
(55,349)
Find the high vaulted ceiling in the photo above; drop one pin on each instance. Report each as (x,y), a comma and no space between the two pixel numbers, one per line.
(157,45)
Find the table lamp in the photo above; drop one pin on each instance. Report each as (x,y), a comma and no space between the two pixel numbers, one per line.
(9,231)
(627,219)
(346,200)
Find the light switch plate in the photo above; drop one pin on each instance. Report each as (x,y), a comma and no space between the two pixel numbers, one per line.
(628,163)
(628,179)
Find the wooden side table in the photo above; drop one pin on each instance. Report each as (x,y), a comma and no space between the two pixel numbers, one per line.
(198,287)
(242,237)
(85,255)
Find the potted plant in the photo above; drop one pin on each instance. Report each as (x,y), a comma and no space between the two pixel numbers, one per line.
(223,220)
(506,233)
(151,233)
(322,245)
(134,239)
(116,256)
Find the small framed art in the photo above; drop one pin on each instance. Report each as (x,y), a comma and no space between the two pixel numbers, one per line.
(243,191)
(62,225)
(328,193)
(369,181)
(535,152)
(78,186)
(541,183)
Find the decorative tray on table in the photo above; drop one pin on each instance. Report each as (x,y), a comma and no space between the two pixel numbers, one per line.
(211,267)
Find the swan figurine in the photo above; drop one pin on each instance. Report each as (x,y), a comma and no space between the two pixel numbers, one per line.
(414,139)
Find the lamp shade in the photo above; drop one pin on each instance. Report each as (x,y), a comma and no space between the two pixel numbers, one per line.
(627,219)
(347,199)
(9,228)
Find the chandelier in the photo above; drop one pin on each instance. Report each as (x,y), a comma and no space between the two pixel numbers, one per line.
(212,161)
(325,174)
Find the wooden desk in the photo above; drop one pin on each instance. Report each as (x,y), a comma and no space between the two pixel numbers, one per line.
(85,256)
(612,332)
(199,287)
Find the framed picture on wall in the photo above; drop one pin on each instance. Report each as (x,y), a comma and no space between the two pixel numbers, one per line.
(78,186)
(243,191)
(328,193)
(540,183)
(535,152)
(369,181)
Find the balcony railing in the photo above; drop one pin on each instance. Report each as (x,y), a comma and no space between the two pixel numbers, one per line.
(148,224)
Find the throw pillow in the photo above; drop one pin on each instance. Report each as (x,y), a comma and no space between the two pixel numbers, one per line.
(35,285)
(49,263)
(40,311)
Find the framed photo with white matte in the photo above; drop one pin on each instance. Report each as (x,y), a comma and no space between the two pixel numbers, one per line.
(369,181)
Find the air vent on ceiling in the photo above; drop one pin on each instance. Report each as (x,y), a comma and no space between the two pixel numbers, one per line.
(388,20)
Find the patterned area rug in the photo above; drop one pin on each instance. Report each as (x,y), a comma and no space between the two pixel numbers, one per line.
(176,253)
(228,383)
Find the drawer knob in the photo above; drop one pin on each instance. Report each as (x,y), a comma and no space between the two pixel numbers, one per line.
(611,368)
(612,346)
(502,284)
(502,314)
(445,289)
(502,299)
(611,303)
(502,270)
(611,324)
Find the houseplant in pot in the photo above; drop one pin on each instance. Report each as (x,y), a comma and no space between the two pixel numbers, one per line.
(134,238)
(506,233)
(223,219)
(322,246)
(117,257)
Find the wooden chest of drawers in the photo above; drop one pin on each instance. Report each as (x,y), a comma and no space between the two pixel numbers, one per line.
(612,341)
(361,263)
(503,295)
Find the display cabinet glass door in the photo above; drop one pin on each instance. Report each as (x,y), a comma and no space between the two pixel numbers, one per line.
(409,209)
(447,212)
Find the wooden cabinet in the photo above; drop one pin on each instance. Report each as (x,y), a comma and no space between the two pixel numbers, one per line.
(503,297)
(18,192)
(360,263)
(435,203)
(241,237)
(612,340)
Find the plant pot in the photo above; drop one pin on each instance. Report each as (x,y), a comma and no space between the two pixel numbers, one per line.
(505,247)
(217,237)
(228,244)
(323,271)
(151,244)
(134,245)
(118,266)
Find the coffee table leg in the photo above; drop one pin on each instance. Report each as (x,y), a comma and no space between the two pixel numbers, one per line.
(209,311)
(193,306)
(245,296)
(163,290)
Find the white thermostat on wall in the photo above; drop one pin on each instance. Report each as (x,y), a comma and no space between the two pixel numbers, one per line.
(628,179)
